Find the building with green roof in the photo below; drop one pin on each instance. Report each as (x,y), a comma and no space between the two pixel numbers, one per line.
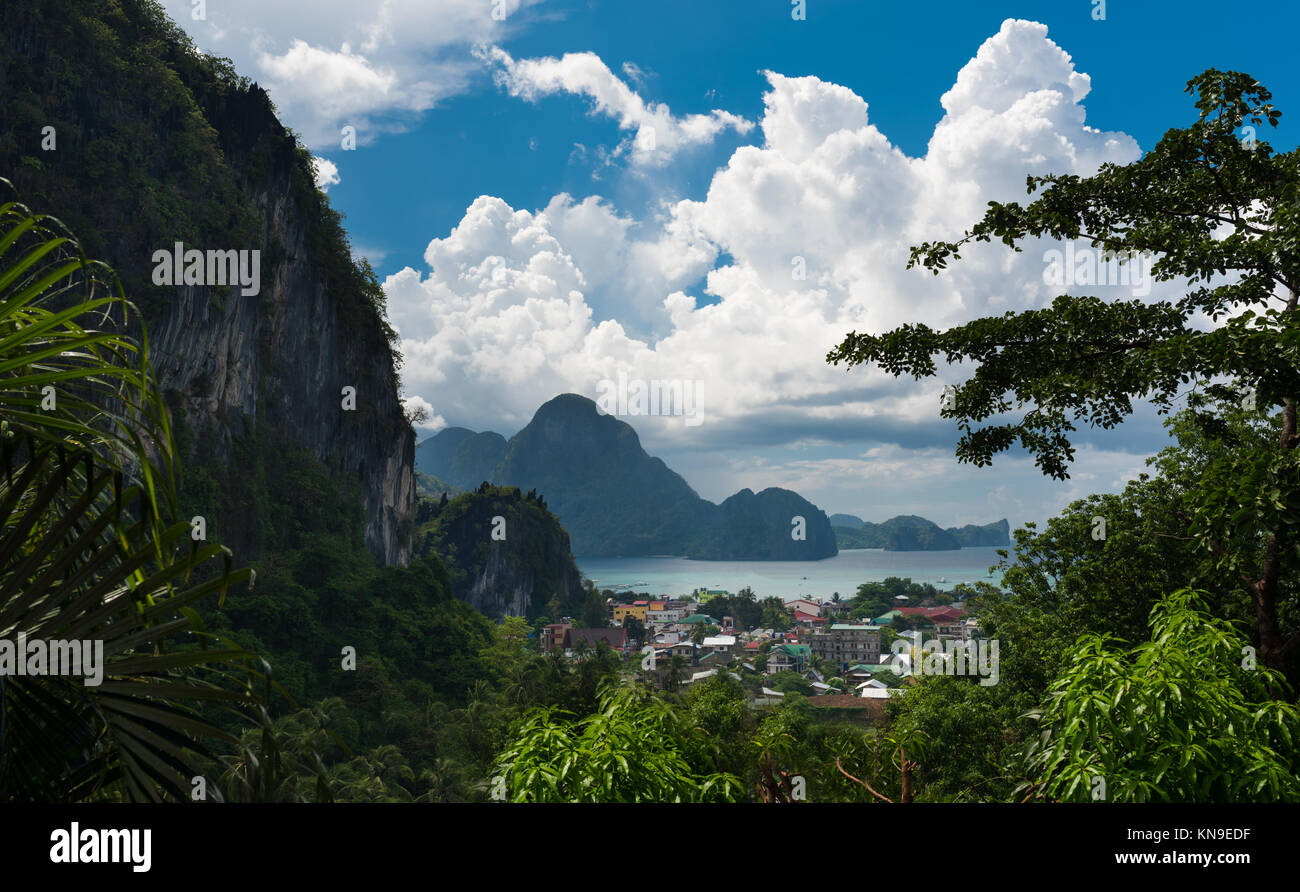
(696,618)
(791,657)
(872,668)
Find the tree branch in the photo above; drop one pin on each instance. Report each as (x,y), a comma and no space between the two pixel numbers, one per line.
(862,782)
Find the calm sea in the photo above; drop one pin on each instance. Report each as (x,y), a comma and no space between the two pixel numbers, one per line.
(793,579)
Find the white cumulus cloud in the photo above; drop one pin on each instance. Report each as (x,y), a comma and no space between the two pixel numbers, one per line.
(327,173)
(657,135)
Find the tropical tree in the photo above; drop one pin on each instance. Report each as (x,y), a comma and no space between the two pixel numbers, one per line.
(634,749)
(88,547)
(1218,208)
(776,748)
(1184,717)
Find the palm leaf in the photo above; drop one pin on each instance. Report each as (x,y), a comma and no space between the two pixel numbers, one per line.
(86,551)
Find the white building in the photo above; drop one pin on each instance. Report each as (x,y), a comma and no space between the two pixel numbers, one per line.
(719,644)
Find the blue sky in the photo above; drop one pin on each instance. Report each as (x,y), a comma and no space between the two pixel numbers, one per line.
(531,243)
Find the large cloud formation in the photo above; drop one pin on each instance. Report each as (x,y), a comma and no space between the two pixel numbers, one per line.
(799,240)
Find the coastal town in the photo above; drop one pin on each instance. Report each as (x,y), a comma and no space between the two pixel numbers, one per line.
(814,647)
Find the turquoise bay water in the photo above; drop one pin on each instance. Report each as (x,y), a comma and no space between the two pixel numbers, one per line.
(793,579)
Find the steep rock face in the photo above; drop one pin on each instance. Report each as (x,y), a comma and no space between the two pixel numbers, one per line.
(158,144)
(282,357)
(506,553)
(498,589)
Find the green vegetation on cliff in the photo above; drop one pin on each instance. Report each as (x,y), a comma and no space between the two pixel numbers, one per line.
(506,553)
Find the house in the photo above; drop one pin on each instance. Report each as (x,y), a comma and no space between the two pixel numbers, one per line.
(844,644)
(553,636)
(663,614)
(808,619)
(877,690)
(615,638)
(792,657)
(696,618)
(635,611)
(682,649)
(803,605)
(955,629)
(866,672)
(720,644)
(709,673)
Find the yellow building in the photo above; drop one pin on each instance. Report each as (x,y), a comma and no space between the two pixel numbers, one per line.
(636,611)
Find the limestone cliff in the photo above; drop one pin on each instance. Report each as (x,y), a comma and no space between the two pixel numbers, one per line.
(506,553)
(153,144)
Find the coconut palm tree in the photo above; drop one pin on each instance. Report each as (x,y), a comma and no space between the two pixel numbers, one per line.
(88,547)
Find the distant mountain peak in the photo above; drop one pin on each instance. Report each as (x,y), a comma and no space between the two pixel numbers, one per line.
(616,499)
